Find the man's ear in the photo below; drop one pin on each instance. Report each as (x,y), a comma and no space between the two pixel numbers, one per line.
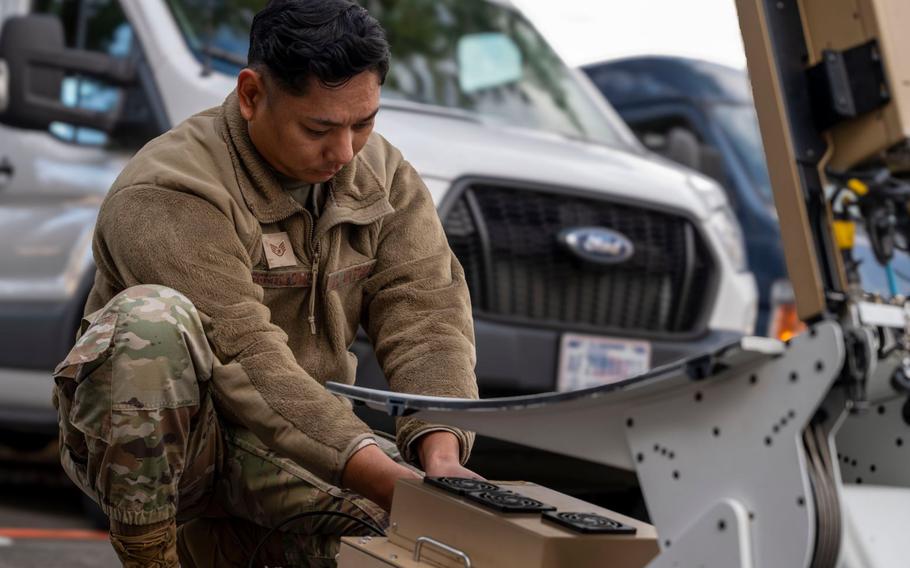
(250,92)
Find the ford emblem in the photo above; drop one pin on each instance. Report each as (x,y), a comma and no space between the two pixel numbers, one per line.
(596,244)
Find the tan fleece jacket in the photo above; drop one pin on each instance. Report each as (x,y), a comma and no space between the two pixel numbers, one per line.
(189,211)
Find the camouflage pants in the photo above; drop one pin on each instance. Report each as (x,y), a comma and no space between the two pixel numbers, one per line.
(139,434)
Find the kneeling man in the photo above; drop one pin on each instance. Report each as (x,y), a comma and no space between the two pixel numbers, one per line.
(237,255)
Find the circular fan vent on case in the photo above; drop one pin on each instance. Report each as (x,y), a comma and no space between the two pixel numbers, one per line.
(460,485)
(589,523)
(508,501)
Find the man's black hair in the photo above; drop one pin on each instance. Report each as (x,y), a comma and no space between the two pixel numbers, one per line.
(327,40)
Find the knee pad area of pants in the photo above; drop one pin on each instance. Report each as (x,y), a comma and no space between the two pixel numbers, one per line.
(160,350)
(151,300)
(157,314)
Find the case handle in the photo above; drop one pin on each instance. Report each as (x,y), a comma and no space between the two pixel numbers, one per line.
(442,546)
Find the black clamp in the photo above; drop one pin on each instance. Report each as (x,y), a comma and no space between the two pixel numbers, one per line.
(847,84)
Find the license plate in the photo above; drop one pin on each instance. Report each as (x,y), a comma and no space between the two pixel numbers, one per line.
(590,360)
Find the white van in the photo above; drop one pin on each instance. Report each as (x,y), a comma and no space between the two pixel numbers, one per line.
(588,259)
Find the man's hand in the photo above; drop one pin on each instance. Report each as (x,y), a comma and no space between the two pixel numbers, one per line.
(371,473)
(440,456)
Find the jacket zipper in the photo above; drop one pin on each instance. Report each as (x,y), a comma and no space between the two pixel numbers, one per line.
(314,270)
(315,254)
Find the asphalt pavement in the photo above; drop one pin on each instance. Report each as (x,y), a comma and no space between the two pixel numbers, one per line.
(43,523)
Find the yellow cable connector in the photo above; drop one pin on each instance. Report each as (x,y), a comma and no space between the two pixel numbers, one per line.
(844,233)
(857,187)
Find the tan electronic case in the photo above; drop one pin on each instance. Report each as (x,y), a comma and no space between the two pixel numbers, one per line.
(488,538)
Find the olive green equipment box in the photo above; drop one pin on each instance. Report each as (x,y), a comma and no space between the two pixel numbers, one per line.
(460,523)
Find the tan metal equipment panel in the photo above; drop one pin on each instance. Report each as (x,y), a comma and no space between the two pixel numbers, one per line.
(835,25)
(799,246)
(842,24)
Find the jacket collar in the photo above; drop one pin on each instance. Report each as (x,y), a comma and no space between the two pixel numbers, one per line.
(355,194)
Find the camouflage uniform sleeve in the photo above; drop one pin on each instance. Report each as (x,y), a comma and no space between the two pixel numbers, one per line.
(151,235)
(418,311)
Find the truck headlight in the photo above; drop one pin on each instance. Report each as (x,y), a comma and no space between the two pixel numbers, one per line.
(726,228)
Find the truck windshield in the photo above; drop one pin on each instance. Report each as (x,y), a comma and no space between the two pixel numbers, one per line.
(471,55)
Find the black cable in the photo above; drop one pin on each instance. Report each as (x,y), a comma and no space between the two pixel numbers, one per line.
(299,516)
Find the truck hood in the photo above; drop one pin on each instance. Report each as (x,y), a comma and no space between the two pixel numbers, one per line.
(446,148)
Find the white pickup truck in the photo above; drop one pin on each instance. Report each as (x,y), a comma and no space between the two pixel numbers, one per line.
(588,258)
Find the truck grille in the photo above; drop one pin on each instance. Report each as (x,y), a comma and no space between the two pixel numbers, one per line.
(506,239)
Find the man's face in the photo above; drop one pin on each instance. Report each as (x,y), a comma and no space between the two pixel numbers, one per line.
(309,137)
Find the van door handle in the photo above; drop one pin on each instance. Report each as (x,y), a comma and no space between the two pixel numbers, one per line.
(6,170)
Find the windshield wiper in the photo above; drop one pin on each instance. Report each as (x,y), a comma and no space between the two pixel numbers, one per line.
(429,108)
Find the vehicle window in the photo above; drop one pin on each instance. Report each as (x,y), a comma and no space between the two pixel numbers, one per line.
(470,55)
(99,25)
(739,123)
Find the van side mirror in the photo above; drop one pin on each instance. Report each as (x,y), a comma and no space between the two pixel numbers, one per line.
(683,148)
(36,60)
